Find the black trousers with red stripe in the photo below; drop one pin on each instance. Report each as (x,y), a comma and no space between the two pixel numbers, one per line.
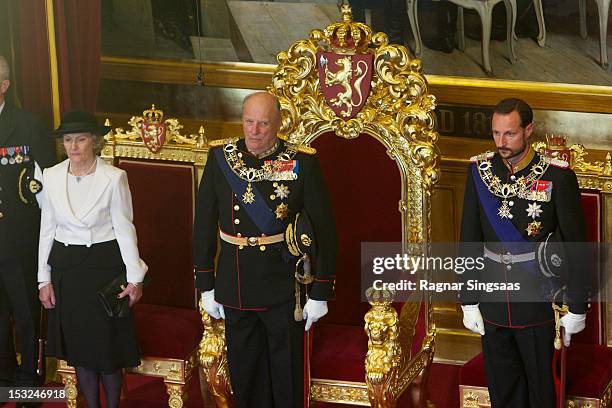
(518,363)
(265,353)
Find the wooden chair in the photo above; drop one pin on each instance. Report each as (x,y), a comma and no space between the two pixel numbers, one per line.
(163,168)
(379,159)
(588,370)
(603,8)
(485,11)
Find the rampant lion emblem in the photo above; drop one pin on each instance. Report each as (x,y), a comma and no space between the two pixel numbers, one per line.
(345,81)
(343,77)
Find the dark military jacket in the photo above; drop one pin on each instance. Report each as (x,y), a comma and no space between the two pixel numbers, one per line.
(254,277)
(23,141)
(563,212)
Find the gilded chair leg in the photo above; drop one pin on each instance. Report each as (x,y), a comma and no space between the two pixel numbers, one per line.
(70,386)
(176,395)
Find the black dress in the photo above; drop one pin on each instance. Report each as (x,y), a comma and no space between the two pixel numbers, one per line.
(80,331)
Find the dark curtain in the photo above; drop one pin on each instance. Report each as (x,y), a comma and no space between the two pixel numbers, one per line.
(30,66)
(78,33)
(78,41)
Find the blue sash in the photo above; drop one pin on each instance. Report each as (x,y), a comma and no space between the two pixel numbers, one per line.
(258,211)
(504,228)
(508,234)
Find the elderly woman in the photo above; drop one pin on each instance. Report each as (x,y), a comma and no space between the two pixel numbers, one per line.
(87,239)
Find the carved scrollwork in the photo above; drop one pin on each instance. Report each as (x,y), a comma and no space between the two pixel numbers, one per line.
(383,360)
(152,130)
(399,110)
(213,360)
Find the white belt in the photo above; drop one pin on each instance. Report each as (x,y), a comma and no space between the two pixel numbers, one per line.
(508,258)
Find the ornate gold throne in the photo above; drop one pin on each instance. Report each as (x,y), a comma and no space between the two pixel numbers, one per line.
(364,105)
(164,167)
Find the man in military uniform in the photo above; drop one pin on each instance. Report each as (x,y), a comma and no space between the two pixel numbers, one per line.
(250,191)
(514,200)
(25,148)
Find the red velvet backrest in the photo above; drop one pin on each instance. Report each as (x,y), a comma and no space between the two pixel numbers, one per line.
(364,185)
(591,205)
(163,198)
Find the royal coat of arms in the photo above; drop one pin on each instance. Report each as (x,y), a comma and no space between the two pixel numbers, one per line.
(345,66)
(345,81)
(152,129)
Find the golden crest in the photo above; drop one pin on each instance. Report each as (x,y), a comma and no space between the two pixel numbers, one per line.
(399,107)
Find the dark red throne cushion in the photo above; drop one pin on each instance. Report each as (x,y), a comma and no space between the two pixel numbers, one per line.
(167,321)
(365,187)
(163,199)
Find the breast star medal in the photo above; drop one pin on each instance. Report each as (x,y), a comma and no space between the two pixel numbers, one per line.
(534,210)
(534,228)
(281,190)
(282,211)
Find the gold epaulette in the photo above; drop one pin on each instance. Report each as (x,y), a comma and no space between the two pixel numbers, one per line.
(553,161)
(302,148)
(488,155)
(219,142)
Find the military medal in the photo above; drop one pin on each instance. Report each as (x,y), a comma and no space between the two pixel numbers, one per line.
(248,197)
(522,187)
(281,190)
(504,210)
(534,210)
(4,159)
(270,169)
(11,152)
(534,228)
(18,157)
(282,211)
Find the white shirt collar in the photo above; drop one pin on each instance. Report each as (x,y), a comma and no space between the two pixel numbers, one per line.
(2,107)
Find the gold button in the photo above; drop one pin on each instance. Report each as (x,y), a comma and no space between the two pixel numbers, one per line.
(236,207)
(238,234)
(272,197)
(1,215)
(274,184)
(240,247)
(262,248)
(236,221)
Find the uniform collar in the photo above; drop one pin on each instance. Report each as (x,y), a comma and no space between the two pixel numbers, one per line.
(260,156)
(522,164)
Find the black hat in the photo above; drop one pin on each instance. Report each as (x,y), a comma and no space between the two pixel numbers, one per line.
(300,237)
(79,121)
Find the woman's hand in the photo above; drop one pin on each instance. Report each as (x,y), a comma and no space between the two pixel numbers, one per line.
(134,292)
(46,294)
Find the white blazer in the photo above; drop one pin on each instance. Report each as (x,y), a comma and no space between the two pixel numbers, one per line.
(106,215)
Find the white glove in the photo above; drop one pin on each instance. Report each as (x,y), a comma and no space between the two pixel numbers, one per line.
(472,319)
(573,323)
(210,305)
(313,311)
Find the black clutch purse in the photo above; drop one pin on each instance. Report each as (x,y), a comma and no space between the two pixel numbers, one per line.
(107,295)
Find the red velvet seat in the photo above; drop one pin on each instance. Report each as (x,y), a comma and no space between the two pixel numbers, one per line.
(589,360)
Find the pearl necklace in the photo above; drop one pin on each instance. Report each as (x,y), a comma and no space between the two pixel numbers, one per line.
(78,177)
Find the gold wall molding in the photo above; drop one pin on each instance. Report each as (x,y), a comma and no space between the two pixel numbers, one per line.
(448,90)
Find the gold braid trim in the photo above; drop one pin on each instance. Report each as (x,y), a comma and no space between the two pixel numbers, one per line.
(21,196)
